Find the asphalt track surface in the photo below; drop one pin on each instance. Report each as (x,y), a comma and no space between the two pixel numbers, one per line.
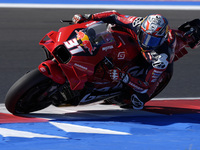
(163,125)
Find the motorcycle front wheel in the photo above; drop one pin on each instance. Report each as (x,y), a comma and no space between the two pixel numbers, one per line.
(28,93)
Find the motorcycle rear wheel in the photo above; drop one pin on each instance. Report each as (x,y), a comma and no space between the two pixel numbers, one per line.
(26,94)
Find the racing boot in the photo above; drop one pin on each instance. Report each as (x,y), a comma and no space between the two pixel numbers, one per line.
(136,102)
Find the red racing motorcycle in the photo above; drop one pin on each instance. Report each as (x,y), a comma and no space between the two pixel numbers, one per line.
(75,71)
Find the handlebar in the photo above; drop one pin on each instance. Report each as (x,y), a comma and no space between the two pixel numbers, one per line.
(67,21)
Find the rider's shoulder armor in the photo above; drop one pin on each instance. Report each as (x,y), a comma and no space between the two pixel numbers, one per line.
(161,57)
(137,21)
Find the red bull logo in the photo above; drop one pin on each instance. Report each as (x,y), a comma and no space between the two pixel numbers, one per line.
(85,41)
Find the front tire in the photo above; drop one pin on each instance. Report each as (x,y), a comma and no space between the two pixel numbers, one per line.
(27,94)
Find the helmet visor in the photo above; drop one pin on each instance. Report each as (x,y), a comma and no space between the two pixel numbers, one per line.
(149,42)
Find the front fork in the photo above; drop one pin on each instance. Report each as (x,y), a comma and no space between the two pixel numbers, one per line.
(60,93)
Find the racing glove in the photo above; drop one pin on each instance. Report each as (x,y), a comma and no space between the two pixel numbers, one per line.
(138,85)
(78,18)
(117,75)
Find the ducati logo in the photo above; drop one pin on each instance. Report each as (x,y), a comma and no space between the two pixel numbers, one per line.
(121,55)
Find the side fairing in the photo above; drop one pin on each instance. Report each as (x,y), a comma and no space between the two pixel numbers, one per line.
(82,63)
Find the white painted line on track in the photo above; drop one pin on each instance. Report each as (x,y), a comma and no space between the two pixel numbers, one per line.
(181,98)
(84,129)
(101,6)
(25,134)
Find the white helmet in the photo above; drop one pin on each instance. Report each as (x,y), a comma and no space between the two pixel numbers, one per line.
(153,32)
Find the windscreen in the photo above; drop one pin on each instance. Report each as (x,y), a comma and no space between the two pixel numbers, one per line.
(98,34)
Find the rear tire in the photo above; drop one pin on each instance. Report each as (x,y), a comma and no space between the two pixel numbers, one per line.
(25,94)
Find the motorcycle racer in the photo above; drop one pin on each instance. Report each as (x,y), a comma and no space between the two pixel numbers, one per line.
(158,45)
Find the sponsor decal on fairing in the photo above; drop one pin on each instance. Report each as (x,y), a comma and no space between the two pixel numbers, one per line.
(121,55)
(107,48)
(80,66)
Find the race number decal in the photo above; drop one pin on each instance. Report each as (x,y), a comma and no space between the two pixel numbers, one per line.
(73,46)
(71,43)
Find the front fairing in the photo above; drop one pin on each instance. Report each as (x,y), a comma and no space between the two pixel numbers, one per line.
(87,53)
(55,38)
(78,62)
